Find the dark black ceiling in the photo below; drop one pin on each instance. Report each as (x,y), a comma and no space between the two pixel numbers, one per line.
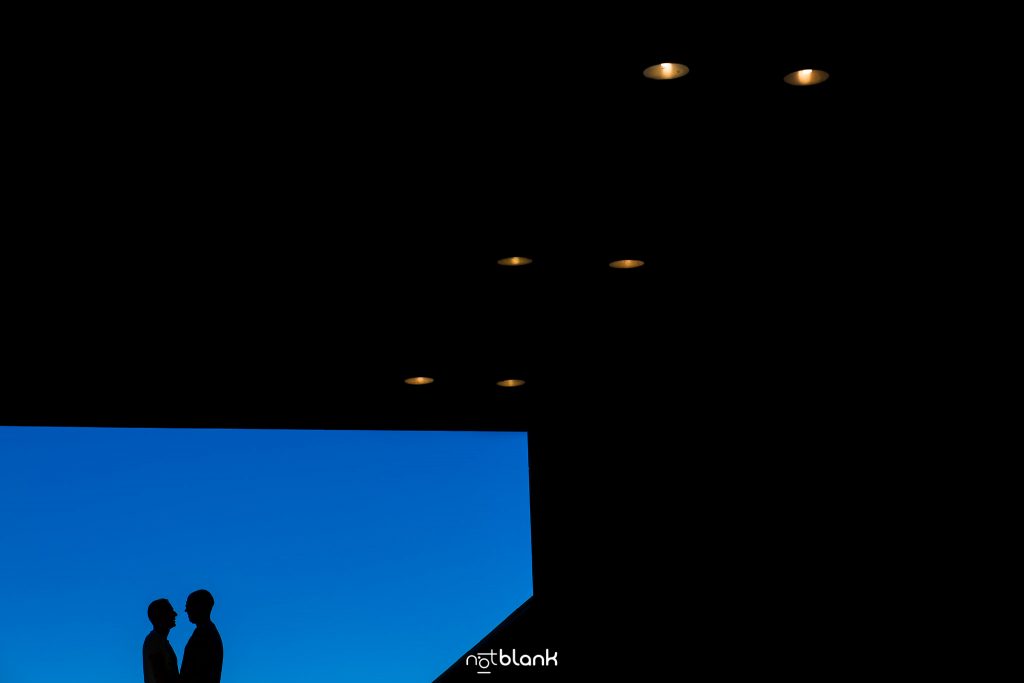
(244,219)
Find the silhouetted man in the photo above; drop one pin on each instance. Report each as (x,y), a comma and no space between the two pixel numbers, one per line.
(204,653)
(159,663)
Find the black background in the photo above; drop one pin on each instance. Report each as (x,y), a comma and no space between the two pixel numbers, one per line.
(258,220)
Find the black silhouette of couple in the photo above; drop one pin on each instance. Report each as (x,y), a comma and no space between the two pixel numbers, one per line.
(204,652)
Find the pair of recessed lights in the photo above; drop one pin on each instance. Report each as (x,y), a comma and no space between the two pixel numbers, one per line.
(419,381)
(523,261)
(667,71)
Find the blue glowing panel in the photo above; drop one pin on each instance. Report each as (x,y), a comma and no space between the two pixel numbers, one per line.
(332,555)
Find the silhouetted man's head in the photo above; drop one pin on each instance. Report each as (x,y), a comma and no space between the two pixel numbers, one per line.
(198,606)
(162,615)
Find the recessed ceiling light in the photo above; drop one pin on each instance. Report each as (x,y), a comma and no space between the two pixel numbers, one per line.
(626,263)
(515,261)
(666,71)
(511,383)
(806,77)
(419,380)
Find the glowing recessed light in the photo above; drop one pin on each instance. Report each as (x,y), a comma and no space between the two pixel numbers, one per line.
(806,77)
(626,263)
(511,383)
(515,261)
(666,71)
(419,380)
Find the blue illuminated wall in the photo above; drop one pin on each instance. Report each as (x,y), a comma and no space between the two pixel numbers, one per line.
(332,555)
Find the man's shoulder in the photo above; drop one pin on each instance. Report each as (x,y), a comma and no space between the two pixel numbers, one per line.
(207,639)
(153,640)
(205,633)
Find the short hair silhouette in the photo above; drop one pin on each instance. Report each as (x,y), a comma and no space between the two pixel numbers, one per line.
(158,608)
(199,603)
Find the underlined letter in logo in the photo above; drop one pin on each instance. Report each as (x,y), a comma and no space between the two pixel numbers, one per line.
(485,661)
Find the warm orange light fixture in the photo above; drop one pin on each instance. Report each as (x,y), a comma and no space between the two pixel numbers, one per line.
(626,263)
(666,71)
(515,261)
(806,77)
(419,380)
(511,383)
